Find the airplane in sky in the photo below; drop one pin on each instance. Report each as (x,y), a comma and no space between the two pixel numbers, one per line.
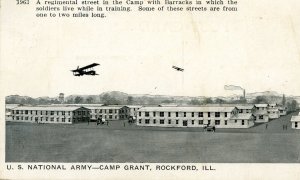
(86,70)
(177,68)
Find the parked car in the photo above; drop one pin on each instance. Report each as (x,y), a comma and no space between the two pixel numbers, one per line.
(100,121)
(209,128)
(131,120)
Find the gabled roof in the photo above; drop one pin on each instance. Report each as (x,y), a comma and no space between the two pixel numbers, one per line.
(239,106)
(245,106)
(11,106)
(188,109)
(168,105)
(105,107)
(242,116)
(49,108)
(282,108)
(261,105)
(261,112)
(134,106)
(295,118)
(273,109)
(72,105)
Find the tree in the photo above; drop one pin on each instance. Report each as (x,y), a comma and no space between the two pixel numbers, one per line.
(30,101)
(54,101)
(260,100)
(292,106)
(11,100)
(78,100)
(283,100)
(129,100)
(239,101)
(70,101)
(109,100)
(23,101)
(89,100)
(220,101)
(195,102)
(207,101)
(105,99)
(167,101)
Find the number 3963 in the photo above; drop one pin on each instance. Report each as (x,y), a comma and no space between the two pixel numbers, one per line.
(19,2)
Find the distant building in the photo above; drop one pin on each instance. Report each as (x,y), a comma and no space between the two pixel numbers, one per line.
(261,113)
(78,105)
(220,117)
(50,114)
(8,110)
(133,110)
(168,105)
(273,110)
(296,122)
(114,112)
(246,108)
(282,110)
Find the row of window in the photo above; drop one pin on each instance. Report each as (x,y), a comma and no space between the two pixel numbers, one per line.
(111,116)
(49,112)
(261,108)
(106,117)
(274,112)
(184,114)
(245,111)
(200,122)
(110,111)
(52,119)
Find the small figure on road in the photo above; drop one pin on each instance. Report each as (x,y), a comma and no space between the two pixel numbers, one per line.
(266,126)
(124,124)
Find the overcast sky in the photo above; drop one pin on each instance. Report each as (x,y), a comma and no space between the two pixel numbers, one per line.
(257,49)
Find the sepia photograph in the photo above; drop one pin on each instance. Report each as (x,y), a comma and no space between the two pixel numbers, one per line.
(119,127)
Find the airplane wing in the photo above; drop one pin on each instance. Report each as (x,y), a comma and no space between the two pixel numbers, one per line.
(174,67)
(177,68)
(88,66)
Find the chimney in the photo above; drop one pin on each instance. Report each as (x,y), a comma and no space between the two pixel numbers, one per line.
(244,93)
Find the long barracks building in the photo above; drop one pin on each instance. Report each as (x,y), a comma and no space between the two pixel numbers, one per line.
(220,117)
(50,114)
(114,112)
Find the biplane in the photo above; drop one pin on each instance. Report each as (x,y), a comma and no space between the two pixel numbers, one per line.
(177,68)
(86,70)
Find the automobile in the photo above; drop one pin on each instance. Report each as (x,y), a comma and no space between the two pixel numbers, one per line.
(100,121)
(209,128)
(131,120)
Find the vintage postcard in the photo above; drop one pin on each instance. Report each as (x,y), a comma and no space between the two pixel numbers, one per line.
(175,89)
